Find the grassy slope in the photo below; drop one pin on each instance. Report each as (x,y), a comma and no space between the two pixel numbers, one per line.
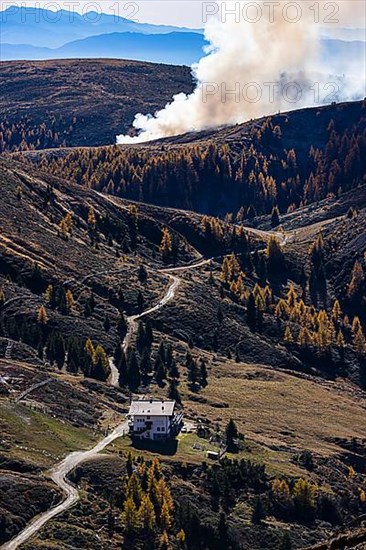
(103,95)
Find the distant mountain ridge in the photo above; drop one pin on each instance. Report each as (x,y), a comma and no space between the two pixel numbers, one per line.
(45,28)
(178,48)
(172,48)
(39,34)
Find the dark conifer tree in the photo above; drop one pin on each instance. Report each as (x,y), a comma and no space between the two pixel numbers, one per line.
(193,375)
(145,365)
(117,354)
(174,372)
(59,347)
(275,217)
(91,302)
(215,341)
(133,371)
(203,373)
(161,351)
(142,274)
(262,270)
(73,355)
(169,357)
(149,338)
(220,314)
(258,512)
(251,213)
(106,323)
(141,336)
(158,362)
(231,433)
(121,325)
(122,370)
(129,465)
(222,530)
(286,542)
(160,373)
(53,295)
(140,301)
(173,392)
(251,311)
(55,349)
(61,300)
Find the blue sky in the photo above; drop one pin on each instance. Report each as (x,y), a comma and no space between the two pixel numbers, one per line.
(185,13)
(188,13)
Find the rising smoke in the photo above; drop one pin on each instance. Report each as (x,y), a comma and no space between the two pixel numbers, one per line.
(251,69)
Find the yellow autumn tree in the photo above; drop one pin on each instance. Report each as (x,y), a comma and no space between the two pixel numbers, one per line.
(356,280)
(166,519)
(281,309)
(359,342)
(356,325)
(89,348)
(230,268)
(164,543)
(341,343)
(181,538)
(134,489)
(336,311)
(305,493)
(281,490)
(70,302)
(291,297)
(146,515)
(287,337)
(163,494)
(305,339)
(129,516)
(66,224)
(42,316)
(48,294)
(91,218)
(166,245)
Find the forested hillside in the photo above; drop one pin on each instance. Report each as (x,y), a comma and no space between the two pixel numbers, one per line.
(245,171)
(225,270)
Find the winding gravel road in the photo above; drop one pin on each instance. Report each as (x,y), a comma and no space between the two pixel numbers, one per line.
(58,475)
(59,472)
(132,321)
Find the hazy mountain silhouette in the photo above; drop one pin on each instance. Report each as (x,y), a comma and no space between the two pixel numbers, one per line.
(41,27)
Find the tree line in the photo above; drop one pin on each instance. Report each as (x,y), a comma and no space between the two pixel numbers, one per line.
(250,181)
(26,135)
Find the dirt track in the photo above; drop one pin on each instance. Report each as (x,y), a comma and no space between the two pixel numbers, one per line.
(59,472)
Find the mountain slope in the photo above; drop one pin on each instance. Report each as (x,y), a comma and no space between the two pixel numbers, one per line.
(269,387)
(287,160)
(86,102)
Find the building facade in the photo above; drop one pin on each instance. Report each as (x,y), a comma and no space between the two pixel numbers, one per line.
(153,419)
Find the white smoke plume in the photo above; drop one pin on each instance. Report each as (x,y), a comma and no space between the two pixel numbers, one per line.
(251,69)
